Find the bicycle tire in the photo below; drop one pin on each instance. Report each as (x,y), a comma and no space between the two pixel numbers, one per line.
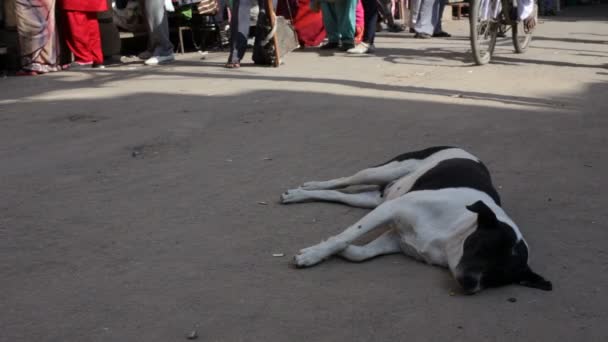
(521,40)
(479,30)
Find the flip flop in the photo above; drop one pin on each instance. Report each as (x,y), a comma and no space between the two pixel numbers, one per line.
(231,65)
(27,73)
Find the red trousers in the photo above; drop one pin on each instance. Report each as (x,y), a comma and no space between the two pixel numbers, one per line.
(83,36)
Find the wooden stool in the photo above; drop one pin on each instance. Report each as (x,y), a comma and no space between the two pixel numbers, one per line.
(459,6)
(180,33)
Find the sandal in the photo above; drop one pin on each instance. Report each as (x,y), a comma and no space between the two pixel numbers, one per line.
(24,72)
(232,65)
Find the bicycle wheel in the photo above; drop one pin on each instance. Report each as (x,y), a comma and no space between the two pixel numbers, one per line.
(521,38)
(483,33)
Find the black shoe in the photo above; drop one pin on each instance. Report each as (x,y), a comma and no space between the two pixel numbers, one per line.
(112,60)
(330,46)
(396,28)
(421,35)
(98,66)
(346,46)
(442,34)
(79,66)
(412,30)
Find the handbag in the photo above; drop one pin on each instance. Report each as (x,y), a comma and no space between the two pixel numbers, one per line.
(208,7)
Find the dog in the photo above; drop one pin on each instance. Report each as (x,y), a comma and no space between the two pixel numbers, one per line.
(440,207)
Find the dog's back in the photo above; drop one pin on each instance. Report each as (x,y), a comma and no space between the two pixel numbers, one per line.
(438,168)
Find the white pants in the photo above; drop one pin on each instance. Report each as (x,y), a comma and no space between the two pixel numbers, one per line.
(524,9)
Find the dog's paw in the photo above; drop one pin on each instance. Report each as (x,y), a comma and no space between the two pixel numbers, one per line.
(308,257)
(293,196)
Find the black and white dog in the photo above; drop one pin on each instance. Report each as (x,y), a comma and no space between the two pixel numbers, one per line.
(440,207)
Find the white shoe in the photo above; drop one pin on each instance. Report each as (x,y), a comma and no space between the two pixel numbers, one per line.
(156,60)
(360,49)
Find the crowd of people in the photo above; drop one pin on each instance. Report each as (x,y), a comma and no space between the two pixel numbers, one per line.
(347,25)
(39,36)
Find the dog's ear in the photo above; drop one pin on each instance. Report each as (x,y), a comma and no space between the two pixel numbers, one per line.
(485,215)
(531,279)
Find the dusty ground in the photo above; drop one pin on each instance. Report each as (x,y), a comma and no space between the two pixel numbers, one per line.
(129,196)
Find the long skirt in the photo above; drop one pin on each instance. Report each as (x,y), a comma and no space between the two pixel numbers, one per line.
(37,35)
(82,36)
(308,25)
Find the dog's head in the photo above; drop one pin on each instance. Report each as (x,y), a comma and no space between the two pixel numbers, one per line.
(494,256)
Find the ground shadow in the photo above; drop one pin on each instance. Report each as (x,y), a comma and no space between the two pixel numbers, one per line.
(158,209)
(100,77)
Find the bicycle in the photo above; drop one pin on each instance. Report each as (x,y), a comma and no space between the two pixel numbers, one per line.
(487,18)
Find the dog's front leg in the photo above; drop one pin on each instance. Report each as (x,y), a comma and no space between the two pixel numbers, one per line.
(335,244)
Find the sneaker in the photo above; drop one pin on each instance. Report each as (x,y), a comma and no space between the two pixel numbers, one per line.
(156,60)
(330,46)
(145,55)
(360,49)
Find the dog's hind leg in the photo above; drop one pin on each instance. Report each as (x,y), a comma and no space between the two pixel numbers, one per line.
(380,175)
(387,243)
(369,199)
(384,213)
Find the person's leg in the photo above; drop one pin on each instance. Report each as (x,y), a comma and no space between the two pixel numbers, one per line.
(158,24)
(414,12)
(384,6)
(370,10)
(94,38)
(345,13)
(77,36)
(239,28)
(331,22)
(526,11)
(150,46)
(425,25)
(525,8)
(110,37)
(437,16)
(38,43)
